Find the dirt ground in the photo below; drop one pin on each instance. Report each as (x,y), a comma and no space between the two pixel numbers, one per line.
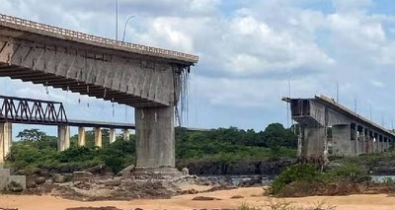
(252,196)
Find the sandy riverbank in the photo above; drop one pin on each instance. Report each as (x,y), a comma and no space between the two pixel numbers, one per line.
(354,202)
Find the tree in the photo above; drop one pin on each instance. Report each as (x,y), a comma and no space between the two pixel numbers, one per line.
(31,135)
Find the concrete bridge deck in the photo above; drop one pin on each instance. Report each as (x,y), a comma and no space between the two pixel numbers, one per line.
(148,78)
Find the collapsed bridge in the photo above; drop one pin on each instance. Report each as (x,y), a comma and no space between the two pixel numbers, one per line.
(351,134)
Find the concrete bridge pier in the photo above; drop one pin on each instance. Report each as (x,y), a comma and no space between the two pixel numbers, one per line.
(81,136)
(63,137)
(98,137)
(155,143)
(112,135)
(344,145)
(313,142)
(358,139)
(126,134)
(5,140)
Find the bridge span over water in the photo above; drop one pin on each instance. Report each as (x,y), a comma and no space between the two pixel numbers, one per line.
(148,78)
(351,134)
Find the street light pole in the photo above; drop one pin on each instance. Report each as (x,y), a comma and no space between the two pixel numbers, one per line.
(116,19)
(124,29)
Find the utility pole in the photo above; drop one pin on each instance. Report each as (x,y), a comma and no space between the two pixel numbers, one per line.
(382,121)
(337,92)
(116,19)
(288,105)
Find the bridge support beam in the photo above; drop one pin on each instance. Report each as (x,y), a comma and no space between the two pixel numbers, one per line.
(98,138)
(126,134)
(5,140)
(112,135)
(81,137)
(63,137)
(155,143)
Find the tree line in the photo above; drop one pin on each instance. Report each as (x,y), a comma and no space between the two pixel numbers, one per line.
(36,149)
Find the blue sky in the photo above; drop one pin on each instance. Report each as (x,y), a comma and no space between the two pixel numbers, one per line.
(249,50)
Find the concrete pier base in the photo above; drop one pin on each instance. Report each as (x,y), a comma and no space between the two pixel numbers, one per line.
(112,135)
(5,140)
(313,143)
(63,137)
(98,138)
(81,137)
(155,143)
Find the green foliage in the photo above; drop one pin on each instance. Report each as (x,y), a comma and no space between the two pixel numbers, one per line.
(348,172)
(233,144)
(307,179)
(37,149)
(283,205)
(298,172)
(31,135)
(245,206)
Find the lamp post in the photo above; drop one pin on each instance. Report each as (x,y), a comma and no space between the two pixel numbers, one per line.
(124,29)
(116,19)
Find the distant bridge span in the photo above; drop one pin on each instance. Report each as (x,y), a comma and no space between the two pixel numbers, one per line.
(352,134)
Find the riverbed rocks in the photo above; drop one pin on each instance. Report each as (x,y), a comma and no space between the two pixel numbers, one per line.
(40,180)
(59,178)
(204,198)
(237,197)
(82,176)
(126,172)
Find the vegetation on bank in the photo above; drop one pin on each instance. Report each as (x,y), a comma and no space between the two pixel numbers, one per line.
(282,205)
(308,179)
(36,149)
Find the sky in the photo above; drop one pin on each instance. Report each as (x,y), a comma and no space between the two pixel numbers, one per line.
(252,53)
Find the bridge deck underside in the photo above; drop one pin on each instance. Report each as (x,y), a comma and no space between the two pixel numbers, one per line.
(51,80)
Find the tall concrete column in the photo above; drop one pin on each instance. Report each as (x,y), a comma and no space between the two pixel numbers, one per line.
(5,140)
(313,143)
(63,137)
(343,146)
(380,146)
(126,134)
(112,135)
(155,143)
(98,137)
(81,137)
